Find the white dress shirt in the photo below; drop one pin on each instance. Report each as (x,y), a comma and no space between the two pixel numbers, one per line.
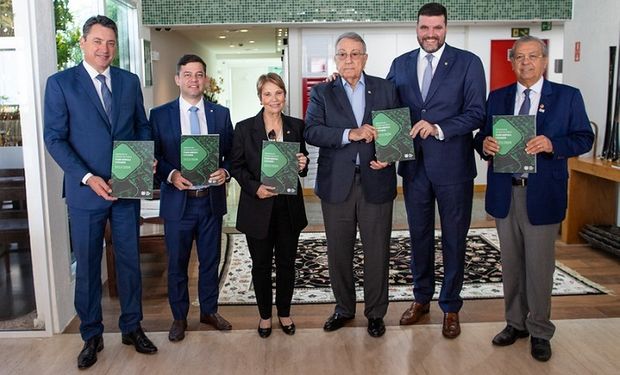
(422,64)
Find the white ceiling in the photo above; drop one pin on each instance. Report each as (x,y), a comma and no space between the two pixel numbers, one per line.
(237,39)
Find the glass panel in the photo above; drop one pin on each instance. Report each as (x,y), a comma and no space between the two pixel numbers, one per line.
(6,18)
(119,12)
(18,308)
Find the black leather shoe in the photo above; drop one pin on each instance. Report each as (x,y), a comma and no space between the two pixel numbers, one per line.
(88,355)
(177,330)
(376,327)
(509,335)
(264,332)
(336,321)
(541,349)
(138,339)
(289,329)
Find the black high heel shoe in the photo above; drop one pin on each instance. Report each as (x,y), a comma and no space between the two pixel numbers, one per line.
(263,332)
(289,329)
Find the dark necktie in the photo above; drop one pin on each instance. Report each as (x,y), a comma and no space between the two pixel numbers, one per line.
(428,76)
(106,94)
(525,107)
(194,123)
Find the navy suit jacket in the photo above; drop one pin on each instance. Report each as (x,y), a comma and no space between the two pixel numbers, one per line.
(79,135)
(455,102)
(254,214)
(562,118)
(329,114)
(166,122)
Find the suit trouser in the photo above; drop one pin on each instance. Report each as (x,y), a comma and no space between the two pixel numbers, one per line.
(454,202)
(283,240)
(197,223)
(528,263)
(375,226)
(87,228)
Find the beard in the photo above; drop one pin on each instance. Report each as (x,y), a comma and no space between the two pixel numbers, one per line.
(427,45)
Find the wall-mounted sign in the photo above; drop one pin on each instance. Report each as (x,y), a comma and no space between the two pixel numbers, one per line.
(545,26)
(577,51)
(518,32)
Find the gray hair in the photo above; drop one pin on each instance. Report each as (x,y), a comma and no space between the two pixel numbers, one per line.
(353,36)
(525,39)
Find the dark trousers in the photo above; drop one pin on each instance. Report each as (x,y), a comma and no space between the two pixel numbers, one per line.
(200,224)
(87,229)
(454,202)
(281,241)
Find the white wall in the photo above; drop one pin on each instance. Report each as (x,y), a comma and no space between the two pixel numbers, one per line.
(596,27)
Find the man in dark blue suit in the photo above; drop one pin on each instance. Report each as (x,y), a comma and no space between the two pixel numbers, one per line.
(191,212)
(87,108)
(355,189)
(444,88)
(528,209)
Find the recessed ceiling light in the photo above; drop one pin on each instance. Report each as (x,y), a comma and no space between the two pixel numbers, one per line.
(232,46)
(243,30)
(222,36)
(251,41)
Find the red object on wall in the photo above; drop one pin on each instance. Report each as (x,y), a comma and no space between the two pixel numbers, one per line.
(306,86)
(577,51)
(501,67)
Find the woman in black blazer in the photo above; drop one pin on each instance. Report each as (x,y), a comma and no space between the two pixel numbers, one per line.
(269,221)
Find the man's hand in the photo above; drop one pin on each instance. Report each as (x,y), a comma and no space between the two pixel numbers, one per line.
(218,177)
(366,133)
(101,188)
(179,181)
(424,129)
(538,144)
(490,147)
(302,161)
(334,76)
(154,166)
(378,164)
(265,191)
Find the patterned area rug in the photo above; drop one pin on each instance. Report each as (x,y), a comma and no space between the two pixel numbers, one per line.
(483,275)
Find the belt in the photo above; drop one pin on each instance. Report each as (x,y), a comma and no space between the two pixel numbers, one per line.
(198,193)
(519,181)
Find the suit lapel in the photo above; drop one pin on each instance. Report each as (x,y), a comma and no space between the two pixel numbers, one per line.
(369,100)
(210,115)
(412,71)
(343,100)
(175,122)
(258,129)
(545,100)
(117,94)
(441,71)
(509,100)
(89,87)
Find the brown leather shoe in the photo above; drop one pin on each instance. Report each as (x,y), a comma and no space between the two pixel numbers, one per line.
(414,313)
(216,320)
(451,327)
(177,330)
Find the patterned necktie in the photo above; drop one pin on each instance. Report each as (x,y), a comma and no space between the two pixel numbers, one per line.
(106,94)
(193,120)
(428,76)
(525,107)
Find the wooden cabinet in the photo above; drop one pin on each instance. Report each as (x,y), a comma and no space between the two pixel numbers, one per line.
(592,196)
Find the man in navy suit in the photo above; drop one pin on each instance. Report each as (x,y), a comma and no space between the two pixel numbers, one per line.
(444,88)
(528,209)
(87,108)
(355,189)
(191,212)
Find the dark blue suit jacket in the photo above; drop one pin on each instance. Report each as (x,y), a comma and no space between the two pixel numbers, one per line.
(79,135)
(329,114)
(455,102)
(166,122)
(562,118)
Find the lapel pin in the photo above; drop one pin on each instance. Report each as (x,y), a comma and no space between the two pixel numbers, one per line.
(370,92)
(288,132)
(445,63)
(211,110)
(541,108)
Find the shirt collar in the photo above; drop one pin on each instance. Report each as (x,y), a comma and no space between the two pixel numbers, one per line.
(361,81)
(436,55)
(93,73)
(184,105)
(537,87)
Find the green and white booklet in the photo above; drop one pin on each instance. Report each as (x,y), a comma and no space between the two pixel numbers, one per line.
(132,169)
(279,166)
(200,156)
(394,142)
(512,133)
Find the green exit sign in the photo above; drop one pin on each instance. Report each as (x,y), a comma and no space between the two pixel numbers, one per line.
(518,32)
(545,26)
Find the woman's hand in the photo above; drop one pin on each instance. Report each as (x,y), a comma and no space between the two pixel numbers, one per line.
(302,161)
(265,191)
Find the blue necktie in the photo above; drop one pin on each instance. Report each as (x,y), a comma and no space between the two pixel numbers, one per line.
(525,107)
(428,76)
(106,94)
(193,120)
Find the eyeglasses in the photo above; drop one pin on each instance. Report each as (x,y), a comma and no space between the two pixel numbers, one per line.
(271,135)
(355,55)
(521,58)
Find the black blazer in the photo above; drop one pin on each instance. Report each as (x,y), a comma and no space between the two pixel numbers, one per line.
(254,214)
